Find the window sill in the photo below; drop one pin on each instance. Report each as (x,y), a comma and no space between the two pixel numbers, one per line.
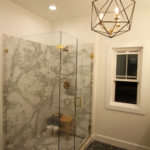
(124,107)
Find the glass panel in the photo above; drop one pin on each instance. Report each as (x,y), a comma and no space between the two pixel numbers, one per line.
(132,65)
(126,92)
(84,93)
(121,66)
(31,93)
(45,105)
(2,102)
(51,141)
(52,38)
(67,92)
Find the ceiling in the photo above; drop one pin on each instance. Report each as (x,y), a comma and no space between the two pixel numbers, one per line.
(65,8)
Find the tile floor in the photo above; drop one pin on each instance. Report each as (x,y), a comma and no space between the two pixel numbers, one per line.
(96,145)
(48,142)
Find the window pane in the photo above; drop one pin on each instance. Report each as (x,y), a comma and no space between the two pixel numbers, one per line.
(132,65)
(126,92)
(121,66)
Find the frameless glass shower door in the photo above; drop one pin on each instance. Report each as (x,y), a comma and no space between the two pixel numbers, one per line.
(84,92)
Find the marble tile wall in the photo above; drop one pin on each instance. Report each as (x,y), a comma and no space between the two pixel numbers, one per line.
(27,96)
(31,88)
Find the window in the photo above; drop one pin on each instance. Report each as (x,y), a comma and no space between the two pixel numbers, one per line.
(123,81)
(126,92)
(126,83)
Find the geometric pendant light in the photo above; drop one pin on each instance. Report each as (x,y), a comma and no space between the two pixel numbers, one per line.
(112,17)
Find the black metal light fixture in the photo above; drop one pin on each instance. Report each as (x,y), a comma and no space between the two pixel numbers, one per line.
(112,17)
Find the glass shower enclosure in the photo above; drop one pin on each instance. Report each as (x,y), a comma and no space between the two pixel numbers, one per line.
(47,92)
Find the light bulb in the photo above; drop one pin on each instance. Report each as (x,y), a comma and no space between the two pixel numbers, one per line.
(101,16)
(116,10)
(52,7)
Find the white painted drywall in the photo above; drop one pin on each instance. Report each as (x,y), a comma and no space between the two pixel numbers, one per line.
(16,21)
(78,27)
(128,127)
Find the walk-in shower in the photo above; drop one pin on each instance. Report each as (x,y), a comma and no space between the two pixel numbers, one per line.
(47,92)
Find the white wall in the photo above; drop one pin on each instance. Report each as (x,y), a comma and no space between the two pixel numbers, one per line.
(115,125)
(16,21)
(78,27)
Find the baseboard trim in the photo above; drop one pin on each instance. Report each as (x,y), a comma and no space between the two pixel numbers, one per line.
(118,143)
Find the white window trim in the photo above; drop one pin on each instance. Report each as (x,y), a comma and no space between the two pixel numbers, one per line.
(110,85)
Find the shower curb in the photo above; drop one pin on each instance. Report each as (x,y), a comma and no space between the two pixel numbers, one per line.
(87,142)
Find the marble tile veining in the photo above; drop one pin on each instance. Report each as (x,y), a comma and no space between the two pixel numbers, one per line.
(31,75)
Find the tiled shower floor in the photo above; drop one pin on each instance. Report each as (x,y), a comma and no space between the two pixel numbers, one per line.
(48,142)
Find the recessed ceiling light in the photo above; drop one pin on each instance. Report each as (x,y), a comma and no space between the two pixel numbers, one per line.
(52,7)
